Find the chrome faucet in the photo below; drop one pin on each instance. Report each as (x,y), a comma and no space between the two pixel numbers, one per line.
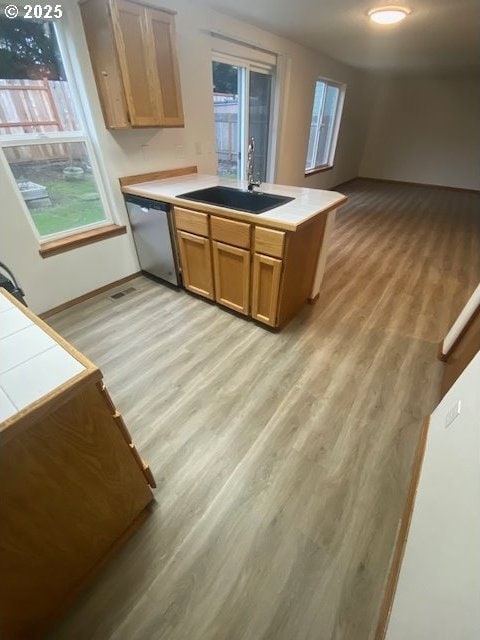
(250,174)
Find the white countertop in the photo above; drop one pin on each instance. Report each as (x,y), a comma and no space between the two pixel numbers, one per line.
(32,363)
(307,204)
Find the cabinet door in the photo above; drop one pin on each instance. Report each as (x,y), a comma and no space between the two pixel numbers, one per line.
(231,268)
(196,263)
(161,39)
(265,289)
(101,46)
(135,57)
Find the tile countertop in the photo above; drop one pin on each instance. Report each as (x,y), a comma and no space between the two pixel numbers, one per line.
(308,203)
(32,363)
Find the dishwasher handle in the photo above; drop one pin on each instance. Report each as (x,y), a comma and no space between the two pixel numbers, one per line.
(146,203)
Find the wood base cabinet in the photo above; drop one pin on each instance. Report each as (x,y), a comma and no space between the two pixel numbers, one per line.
(258,271)
(231,268)
(196,262)
(72,485)
(267,272)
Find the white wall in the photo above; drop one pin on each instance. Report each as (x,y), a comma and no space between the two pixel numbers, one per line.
(438,590)
(52,281)
(424,129)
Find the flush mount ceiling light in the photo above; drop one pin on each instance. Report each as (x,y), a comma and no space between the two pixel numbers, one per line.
(388,15)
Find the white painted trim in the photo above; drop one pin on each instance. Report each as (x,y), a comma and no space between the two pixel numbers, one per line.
(460,323)
(52,137)
(333,140)
(80,100)
(5,166)
(86,135)
(336,127)
(244,118)
(280,119)
(274,123)
(11,179)
(250,51)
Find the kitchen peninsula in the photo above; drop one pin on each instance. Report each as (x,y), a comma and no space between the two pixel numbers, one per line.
(264,265)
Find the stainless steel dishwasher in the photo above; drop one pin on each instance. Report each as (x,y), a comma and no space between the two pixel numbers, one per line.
(154,237)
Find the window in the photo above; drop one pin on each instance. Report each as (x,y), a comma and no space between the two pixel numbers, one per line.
(242,100)
(326,115)
(42,135)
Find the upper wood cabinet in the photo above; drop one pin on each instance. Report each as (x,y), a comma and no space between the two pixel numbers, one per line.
(132,50)
(161,35)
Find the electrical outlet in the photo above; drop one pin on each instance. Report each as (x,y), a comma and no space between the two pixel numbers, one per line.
(453,413)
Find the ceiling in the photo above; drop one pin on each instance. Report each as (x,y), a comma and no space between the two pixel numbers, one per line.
(438,35)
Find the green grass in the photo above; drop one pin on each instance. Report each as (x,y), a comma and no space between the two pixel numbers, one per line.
(68,210)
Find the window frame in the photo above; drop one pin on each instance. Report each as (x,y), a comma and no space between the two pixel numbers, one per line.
(250,64)
(332,145)
(85,134)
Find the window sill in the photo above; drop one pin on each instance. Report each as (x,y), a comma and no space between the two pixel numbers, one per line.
(311,172)
(80,239)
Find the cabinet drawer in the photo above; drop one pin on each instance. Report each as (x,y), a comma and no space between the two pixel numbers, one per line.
(230,232)
(269,242)
(192,221)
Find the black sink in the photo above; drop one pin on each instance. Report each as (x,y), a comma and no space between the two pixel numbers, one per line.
(230,198)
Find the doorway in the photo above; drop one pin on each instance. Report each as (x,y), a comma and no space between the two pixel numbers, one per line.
(242,102)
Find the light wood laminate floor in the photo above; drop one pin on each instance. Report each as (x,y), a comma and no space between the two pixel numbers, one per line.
(282,460)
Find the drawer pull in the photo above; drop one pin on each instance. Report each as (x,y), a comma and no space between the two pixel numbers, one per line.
(149,475)
(122,427)
(106,396)
(143,466)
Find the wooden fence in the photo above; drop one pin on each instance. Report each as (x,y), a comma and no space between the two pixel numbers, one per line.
(226,135)
(36,106)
